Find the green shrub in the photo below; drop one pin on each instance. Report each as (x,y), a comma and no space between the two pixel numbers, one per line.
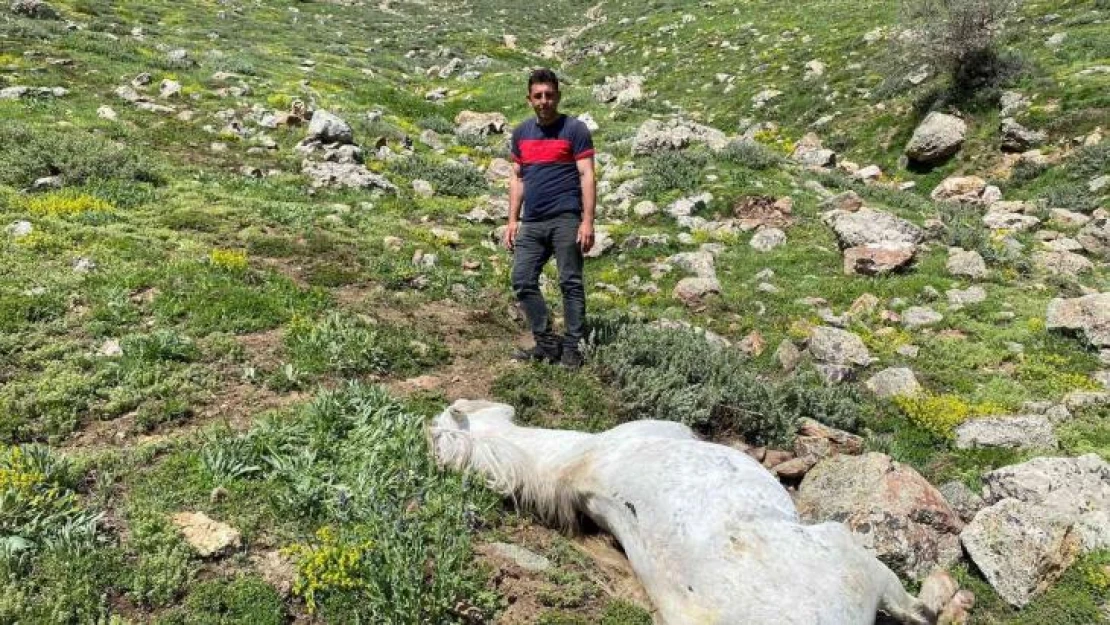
(674,170)
(38,505)
(751,154)
(245,600)
(62,585)
(446,178)
(1074,196)
(348,344)
(77,156)
(163,565)
(1089,161)
(436,123)
(677,375)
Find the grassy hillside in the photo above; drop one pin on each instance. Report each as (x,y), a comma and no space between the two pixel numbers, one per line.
(187,324)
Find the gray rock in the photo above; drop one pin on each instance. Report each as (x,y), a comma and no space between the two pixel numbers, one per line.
(866,226)
(938,137)
(480,124)
(1067,218)
(767,239)
(603,242)
(621,90)
(1088,315)
(656,136)
(35,9)
(839,347)
(880,258)
(1020,548)
(892,510)
(847,201)
(965,263)
(918,316)
(1076,400)
(963,500)
(350,175)
(327,127)
(179,58)
(1062,263)
(207,537)
(693,291)
(1097,184)
(1018,138)
(960,189)
(893,382)
(809,152)
(19,91)
(1011,432)
(971,295)
(1013,102)
(525,559)
(1016,222)
(684,207)
(1095,237)
(169,89)
(833,374)
(1076,484)
(19,228)
(788,355)
(423,188)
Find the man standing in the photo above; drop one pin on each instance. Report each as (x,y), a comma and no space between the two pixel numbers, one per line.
(553,178)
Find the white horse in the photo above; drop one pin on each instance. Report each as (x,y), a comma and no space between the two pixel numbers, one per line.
(712,535)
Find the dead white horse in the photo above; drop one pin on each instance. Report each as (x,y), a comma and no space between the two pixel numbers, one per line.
(712,535)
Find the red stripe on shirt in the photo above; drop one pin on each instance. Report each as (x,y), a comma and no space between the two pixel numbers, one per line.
(584,154)
(534,151)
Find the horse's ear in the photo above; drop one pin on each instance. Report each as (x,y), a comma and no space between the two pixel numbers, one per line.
(459,417)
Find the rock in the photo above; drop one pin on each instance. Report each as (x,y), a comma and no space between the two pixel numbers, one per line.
(499,169)
(963,500)
(432,139)
(1062,263)
(848,201)
(169,89)
(350,175)
(809,152)
(1097,184)
(1017,222)
(20,91)
(762,98)
(1095,237)
(918,316)
(893,382)
(814,69)
(621,90)
(794,468)
(753,211)
(179,58)
(867,226)
(878,258)
(684,207)
(18,229)
(838,347)
(1076,400)
(1067,218)
(753,344)
(892,510)
(276,569)
(788,355)
(962,189)
(1089,315)
(1013,102)
(1018,138)
(525,559)
(106,112)
(480,124)
(1011,432)
(327,127)
(1063,244)
(839,441)
(423,188)
(938,137)
(656,136)
(833,374)
(971,295)
(603,242)
(767,239)
(638,241)
(206,536)
(869,173)
(645,208)
(1056,40)
(83,265)
(1020,548)
(591,123)
(34,9)
(965,263)
(692,291)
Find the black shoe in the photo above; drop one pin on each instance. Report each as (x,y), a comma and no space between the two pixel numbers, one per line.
(536,354)
(571,359)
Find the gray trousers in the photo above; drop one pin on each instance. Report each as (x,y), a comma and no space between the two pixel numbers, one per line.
(536,242)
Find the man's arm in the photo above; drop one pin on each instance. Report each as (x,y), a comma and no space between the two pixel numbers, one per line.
(589,202)
(516,198)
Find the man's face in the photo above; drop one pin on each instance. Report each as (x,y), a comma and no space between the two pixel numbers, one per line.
(544,100)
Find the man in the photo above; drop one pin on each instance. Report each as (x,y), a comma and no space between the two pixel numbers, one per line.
(553,169)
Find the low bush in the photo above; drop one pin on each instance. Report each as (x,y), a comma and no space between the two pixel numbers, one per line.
(347,344)
(677,375)
(751,154)
(245,600)
(940,414)
(680,170)
(76,156)
(446,178)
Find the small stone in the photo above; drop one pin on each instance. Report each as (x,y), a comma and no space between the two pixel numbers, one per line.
(423,188)
(971,295)
(788,355)
(919,316)
(524,558)
(893,382)
(206,536)
(18,229)
(767,239)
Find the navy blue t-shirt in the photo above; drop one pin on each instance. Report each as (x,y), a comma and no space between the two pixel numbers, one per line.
(547,156)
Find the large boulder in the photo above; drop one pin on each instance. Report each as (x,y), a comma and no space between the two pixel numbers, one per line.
(656,136)
(1088,315)
(878,258)
(1095,237)
(1012,432)
(811,153)
(891,509)
(938,137)
(867,226)
(480,124)
(349,175)
(839,347)
(620,89)
(328,127)
(1043,513)
(1062,263)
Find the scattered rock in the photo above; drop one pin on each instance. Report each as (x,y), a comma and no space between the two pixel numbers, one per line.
(603,241)
(894,512)
(1088,315)
(754,211)
(327,127)
(106,112)
(423,188)
(971,295)
(34,9)
(848,201)
(1095,237)
(893,382)
(480,124)
(621,90)
(1017,222)
(839,347)
(919,316)
(961,189)
(767,239)
(963,500)
(762,98)
(1062,263)
(693,291)
(867,226)
(656,136)
(965,263)
(753,344)
(18,229)
(169,89)
(277,570)
(938,137)
(179,58)
(684,207)
(788,355)
(809,152)
(206,536)
(1011,432)
(1018,138)
(525,559)
(1013,102)
(878,258)
(350,175)
(20,91)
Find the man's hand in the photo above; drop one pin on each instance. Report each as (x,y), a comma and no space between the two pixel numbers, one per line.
(585,236)
(509,239)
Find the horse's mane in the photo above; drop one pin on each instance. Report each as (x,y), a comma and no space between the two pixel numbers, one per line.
(511,472)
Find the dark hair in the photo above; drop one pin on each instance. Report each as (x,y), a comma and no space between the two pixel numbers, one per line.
(543,76)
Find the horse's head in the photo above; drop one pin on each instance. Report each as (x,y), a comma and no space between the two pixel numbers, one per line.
(451,433)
